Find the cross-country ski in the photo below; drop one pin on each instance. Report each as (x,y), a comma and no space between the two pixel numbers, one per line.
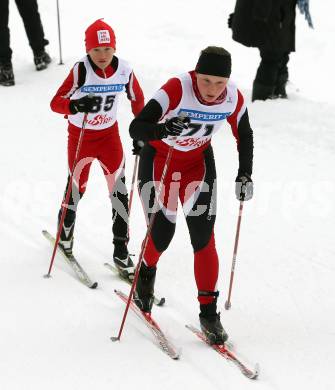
(72,262)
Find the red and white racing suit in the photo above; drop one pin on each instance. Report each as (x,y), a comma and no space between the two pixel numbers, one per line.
(191,176)
(101,139)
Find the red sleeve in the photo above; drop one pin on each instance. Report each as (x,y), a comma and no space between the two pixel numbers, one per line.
(61,101)
(174,91)
(135,94)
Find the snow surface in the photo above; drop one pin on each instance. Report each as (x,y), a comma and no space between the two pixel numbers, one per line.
(54,334)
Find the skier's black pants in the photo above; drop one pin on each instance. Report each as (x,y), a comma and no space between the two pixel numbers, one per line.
(119,199)
(192,179)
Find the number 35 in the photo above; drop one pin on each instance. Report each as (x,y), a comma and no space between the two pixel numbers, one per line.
(106,102)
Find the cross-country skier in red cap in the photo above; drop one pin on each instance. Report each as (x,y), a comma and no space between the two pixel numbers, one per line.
(94,86)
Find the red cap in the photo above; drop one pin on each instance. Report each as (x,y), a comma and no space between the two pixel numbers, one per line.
(99,34)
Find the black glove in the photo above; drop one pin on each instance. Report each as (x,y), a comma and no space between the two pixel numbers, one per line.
(230,20)
(84,104)
(244,187)
(137,147)
(174,126)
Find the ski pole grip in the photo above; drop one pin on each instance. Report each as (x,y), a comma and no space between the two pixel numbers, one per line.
(90,96)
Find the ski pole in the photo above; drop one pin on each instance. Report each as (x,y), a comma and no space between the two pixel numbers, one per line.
(67,195)
(133,184)
(130,202)
(183,116)
(237,235)
(145,241)
(59,35)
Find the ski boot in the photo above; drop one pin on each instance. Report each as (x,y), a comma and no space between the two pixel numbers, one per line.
(66,246)
(42,60)
(66,235)
(210,323)
(122,260)
(6,74)
(144,292)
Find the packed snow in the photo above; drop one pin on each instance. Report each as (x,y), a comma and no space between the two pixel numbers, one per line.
(55,333)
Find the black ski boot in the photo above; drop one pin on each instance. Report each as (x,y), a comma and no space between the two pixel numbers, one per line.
(144,292)
(42,60)
(211,325)
(66,236)
(262,92)
(122,260)
(6,74)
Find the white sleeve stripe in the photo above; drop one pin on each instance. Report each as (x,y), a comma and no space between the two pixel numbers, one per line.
(131,89)
(75,81)
(163,99)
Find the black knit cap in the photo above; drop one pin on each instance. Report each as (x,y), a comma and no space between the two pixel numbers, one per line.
(214,61)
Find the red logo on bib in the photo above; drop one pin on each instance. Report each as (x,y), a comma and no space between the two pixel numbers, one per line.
(99,120)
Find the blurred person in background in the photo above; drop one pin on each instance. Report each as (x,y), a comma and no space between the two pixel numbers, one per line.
(269,26)
(28,10)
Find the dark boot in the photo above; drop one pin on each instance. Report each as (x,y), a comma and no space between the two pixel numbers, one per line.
(122,259)
(262,92)
(144,292)
(280,92)
(41,60)
(211,325)
(67,230)
(6,74)
(280,88)
(66,236)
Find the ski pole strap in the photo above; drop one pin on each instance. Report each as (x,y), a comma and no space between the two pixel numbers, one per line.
(202,293)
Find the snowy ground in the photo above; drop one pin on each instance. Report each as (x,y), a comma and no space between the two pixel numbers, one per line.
(55,333)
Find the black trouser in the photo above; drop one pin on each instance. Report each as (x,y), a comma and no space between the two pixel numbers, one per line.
(119,199)
(200,224)
(191,178)
(272,70)
(28,10)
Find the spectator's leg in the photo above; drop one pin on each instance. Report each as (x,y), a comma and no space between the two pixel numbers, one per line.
(28,10)
(6,69)
(5,50)
(267,74)
(280,89)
